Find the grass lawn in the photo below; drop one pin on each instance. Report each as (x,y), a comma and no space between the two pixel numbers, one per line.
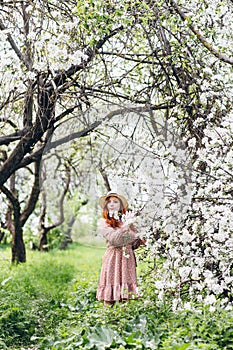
(50,303)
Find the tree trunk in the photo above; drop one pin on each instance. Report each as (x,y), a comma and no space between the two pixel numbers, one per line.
(2,230)
(2,234)
(15,225)
(67,236)
(70,224)
(43,242)
(18,246)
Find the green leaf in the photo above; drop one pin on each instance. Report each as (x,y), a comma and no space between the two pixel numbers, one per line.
(101,337)
(182,347)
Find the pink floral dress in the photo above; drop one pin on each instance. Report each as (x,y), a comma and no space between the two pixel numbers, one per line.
(118,274)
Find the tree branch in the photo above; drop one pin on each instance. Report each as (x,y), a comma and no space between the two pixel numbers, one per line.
(129,57)
(94,125)
(208,46)
(14,46)
(10,122)
(61,78)
(5,140)
(104,176)
(73,136)
(61,201)
(47,100)
(10,195)
(35,191)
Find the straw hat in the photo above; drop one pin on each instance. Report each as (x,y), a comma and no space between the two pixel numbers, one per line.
(102,200)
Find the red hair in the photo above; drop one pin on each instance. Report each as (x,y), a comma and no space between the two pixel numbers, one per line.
(112,221)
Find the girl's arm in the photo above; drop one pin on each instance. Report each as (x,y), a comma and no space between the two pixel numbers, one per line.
(119,236)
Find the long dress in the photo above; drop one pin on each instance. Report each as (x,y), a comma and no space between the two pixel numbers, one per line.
(118,279)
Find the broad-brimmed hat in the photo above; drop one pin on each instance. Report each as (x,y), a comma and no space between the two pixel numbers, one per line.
(102,200)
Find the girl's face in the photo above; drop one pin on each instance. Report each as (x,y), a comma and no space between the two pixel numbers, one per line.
(113,204)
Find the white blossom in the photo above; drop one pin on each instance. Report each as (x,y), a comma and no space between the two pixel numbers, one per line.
(210,299)
(192,142)
(184,272)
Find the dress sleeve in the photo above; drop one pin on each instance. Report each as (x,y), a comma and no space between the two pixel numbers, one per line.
(120,236)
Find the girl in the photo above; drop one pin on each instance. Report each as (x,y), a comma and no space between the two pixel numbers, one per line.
(118,280)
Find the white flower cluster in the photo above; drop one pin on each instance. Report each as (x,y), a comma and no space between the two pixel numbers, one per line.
(129,218)
(199,248)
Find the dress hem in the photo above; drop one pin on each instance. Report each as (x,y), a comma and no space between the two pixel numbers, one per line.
(117,292)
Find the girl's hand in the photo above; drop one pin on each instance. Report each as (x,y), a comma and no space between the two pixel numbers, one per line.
(138,242)
(129,217)
(143,241)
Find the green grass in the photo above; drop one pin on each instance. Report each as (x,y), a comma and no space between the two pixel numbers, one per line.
(50,303)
